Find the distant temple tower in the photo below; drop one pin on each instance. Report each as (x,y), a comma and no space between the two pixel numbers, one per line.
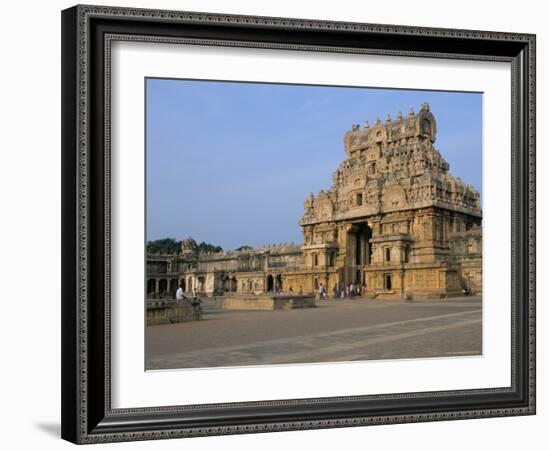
(188,246)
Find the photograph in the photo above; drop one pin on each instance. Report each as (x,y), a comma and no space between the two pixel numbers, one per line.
(299,224)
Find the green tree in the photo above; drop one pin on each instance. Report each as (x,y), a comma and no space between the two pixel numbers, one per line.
(205,247)
(170,245)
(166,245)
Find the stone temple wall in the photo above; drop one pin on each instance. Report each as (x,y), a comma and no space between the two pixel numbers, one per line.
(467,252)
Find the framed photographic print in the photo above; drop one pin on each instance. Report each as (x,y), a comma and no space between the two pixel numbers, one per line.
(278,224)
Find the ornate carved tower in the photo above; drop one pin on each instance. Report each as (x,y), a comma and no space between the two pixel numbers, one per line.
(386,221)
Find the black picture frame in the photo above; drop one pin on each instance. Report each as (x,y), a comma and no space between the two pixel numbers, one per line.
(87,416)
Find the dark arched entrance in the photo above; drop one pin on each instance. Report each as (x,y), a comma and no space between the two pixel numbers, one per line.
(163,286)
(151,286)
(202,284)
(270,283)
(361,256)
(173,287)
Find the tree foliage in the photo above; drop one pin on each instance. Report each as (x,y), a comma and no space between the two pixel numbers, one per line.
(204,247)
(170,245)
(166,245)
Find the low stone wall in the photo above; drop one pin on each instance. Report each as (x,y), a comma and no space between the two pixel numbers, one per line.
(169,311)
(268,302)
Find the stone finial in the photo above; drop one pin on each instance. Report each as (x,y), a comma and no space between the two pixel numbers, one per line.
(388,118)
(367,124)
(411,111)
(378,121)
(399,115)
(425,106)
(355,127)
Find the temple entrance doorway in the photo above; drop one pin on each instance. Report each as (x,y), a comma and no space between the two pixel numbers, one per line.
(360,252)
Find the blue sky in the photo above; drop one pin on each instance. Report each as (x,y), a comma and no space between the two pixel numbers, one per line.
(231,163)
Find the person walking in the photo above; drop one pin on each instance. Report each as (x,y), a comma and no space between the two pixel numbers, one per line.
(196,304)
(321,290)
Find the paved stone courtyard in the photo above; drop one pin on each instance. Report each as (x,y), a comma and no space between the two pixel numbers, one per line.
(336,330)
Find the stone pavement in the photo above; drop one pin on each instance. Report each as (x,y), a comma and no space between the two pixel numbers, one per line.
(337,330)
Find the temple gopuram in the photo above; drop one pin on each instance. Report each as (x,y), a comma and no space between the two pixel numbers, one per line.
(395,222)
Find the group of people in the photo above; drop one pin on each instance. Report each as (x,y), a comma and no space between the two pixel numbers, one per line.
(343,291)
